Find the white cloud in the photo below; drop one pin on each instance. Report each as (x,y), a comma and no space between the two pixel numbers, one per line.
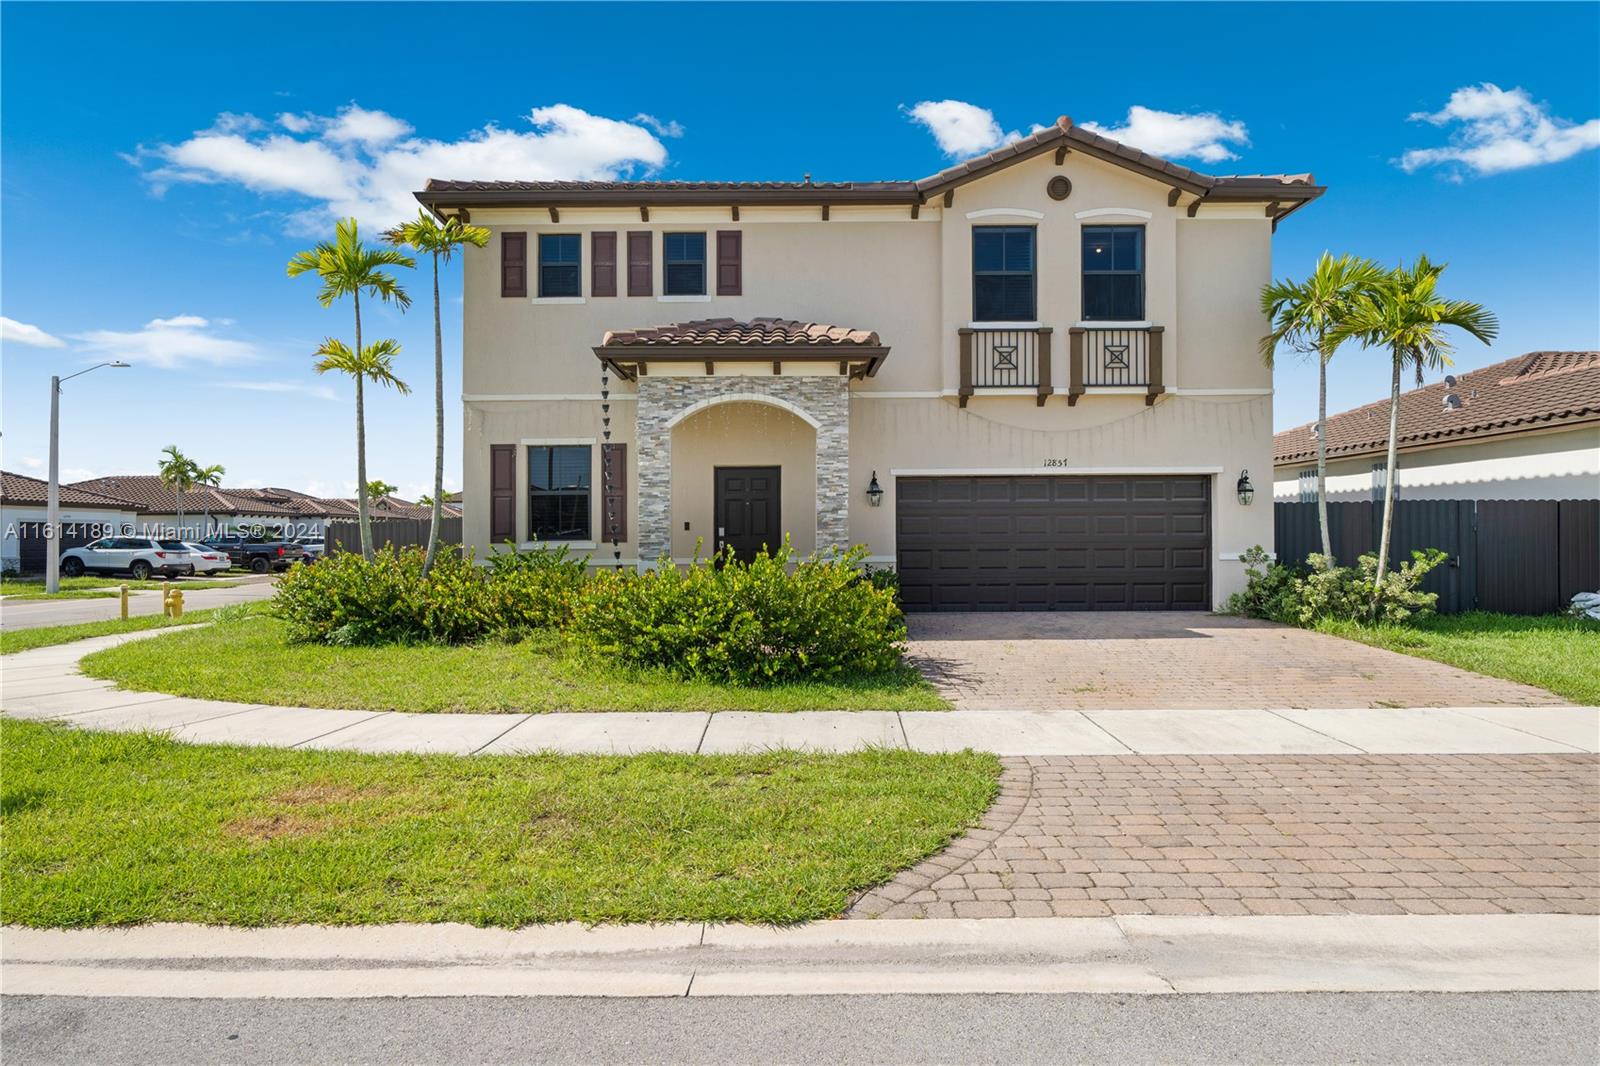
(368,163)
(961,129)
(321,392)
(167,343)
(32,462)
(1203,135)
(669,128)
(14,332)
(1499,130)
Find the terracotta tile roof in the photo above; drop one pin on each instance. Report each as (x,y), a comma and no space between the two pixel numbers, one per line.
(1292,189)
(756,333)
(23,490)
(1533,391)
(147,491)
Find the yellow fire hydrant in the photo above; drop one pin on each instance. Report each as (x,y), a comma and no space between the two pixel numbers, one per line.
(177,603)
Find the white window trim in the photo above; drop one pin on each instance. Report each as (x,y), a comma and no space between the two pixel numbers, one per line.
(1106,323)
(559,300)
(1000,212)
(999,324)
(685,298)
(522,503)
(1113,212)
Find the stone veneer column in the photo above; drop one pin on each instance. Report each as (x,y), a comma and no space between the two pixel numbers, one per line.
(825,398)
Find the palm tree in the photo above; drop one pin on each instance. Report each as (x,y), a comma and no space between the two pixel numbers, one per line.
(375,363)
(348,268)
(440,240)
(211,477)
(1303,315)
(378,487)
(181,474)
(1407,316)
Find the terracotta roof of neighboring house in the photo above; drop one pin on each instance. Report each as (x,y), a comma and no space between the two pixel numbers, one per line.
(21,489)
(1290,190)
(296,501)
(757,332)
(147,491)
(1533,391)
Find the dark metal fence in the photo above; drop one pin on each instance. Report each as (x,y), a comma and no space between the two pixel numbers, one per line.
(344,534)
(1516,556)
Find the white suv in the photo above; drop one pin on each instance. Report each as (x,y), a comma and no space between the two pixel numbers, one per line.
(139,556)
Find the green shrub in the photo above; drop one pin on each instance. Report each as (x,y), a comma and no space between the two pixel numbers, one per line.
(346,600)
(1322,591)
(754,623)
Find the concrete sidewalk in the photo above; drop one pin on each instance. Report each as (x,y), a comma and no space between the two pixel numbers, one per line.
(45,684)
(1139,955)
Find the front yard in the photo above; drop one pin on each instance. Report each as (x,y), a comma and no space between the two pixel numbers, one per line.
(244,658)
(117,828)
(1553,652)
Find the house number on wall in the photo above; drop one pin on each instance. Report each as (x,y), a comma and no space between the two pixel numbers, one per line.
(1056,462)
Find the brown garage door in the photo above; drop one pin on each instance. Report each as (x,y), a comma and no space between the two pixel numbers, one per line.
(1054,543)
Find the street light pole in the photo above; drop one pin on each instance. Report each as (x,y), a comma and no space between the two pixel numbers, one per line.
(52,494)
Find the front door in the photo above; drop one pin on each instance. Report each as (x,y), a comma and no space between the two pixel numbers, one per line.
(747,510)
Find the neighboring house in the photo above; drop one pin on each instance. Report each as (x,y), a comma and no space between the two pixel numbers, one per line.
(85,516)
(1524,429)
(1045,358)
(206,511)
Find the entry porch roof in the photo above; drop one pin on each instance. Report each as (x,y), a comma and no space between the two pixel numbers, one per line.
(629,352)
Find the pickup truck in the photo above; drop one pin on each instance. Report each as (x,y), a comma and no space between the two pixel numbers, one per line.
(258,555)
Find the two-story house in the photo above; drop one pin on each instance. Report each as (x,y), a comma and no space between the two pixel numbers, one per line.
(1030,381)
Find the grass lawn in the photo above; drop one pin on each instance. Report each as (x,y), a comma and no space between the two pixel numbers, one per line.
(15,640)
(86,587)
(118,828)
(1554,652)
(244,658)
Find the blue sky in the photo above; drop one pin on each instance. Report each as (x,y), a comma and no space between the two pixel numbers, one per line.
(159,171)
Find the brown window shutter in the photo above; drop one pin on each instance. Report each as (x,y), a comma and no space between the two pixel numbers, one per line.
(602,264)
(513,264)
(730,262)
(640,280)
(502,493)
(614,493)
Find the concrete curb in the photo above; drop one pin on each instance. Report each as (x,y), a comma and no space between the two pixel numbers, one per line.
(1128,955)
(46,684)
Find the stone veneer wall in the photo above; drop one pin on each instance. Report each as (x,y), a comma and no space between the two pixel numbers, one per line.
(826,399)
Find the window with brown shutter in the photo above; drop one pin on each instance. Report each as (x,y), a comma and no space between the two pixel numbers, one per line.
(730,262)
(502,492)
(513,264)
(602,264)
(640,280)
(614,492)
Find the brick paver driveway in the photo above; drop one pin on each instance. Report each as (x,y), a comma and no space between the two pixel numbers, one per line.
(1301,834)
(1166,659)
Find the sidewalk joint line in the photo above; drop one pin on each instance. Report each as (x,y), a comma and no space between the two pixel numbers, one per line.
(701,743)
(524,718)
(1516,729)
(1090,718)
(340,729)
(1328,736)
(900,716)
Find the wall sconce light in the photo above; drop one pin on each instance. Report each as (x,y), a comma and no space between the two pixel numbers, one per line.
(875,491)
(1247,491)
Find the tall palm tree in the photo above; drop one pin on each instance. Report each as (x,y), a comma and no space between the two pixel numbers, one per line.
(374,363)
(211,477)
(348,268)
(428,235)
(1303,315)
(1407,316)
(181,474)
(378,488)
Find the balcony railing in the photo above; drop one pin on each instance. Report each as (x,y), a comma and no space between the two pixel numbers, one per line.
(1005,357)
(1117,357)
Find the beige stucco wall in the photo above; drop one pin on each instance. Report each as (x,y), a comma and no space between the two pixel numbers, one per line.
(530,371)
(1554,465)
(741,434)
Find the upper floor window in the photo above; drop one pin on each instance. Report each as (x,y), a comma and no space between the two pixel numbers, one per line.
(683,261)
(1004,287)
(558,492)
(559,265)
(1113,273)
(1308,485)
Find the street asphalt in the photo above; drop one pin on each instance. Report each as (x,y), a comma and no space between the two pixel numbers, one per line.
(1544,1028)
(31,614)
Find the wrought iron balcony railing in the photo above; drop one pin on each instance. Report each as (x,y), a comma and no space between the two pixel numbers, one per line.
(1005,357)
(1115,356)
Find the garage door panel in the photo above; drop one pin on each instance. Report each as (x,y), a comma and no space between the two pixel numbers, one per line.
(1054,543)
